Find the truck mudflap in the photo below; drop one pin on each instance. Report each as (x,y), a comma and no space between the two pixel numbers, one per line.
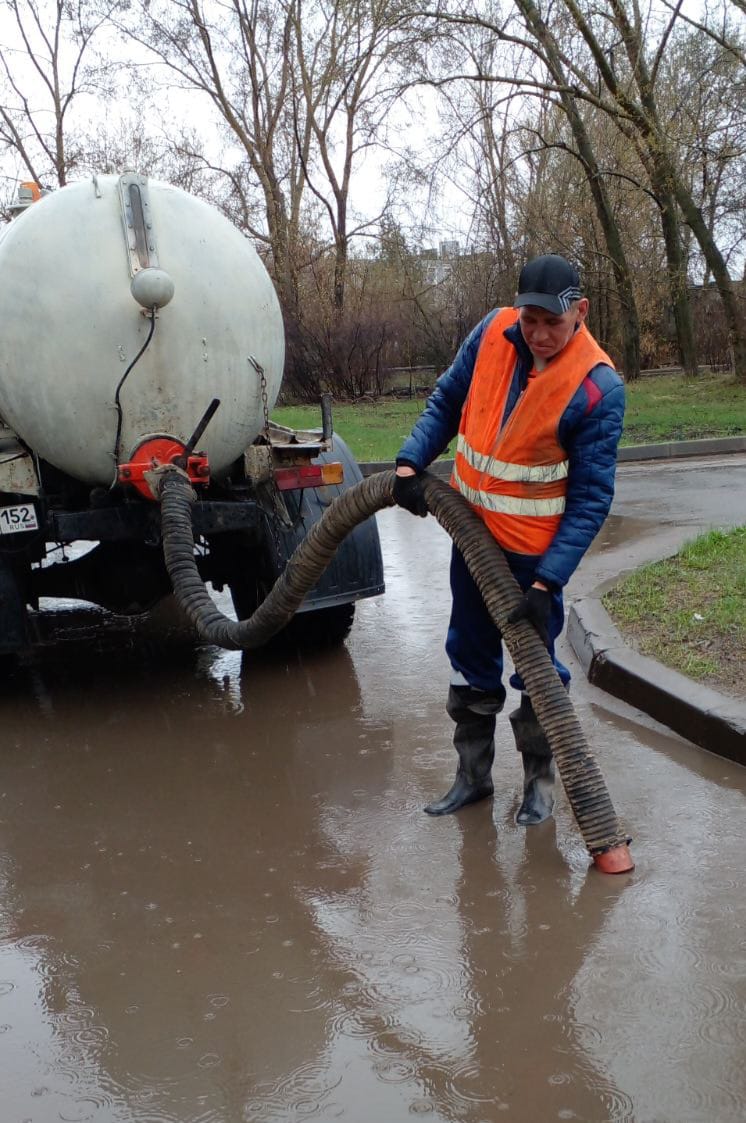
(14,633)
(356,571)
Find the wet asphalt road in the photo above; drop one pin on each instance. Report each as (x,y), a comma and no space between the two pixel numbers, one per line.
(220,900)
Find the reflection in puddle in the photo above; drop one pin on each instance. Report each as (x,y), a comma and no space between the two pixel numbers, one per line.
(619,530)
(220,899)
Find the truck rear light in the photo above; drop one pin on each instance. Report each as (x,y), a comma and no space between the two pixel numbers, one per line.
(308,475)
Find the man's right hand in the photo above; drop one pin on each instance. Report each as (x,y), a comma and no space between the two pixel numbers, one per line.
(409,492)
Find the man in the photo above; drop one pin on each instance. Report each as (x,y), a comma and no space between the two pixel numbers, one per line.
(538,409)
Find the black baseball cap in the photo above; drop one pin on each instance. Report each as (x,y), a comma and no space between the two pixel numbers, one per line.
(549,282)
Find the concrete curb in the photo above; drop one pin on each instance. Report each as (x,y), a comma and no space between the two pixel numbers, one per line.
(706,446)
(701,715)
(437,468)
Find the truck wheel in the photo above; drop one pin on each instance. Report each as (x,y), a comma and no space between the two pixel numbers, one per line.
(14,633)
(322,627)
(244,569)
(246,597)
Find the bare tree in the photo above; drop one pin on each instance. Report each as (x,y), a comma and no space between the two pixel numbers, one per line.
(716,22)
(550,55)
(303,87)
(479,126)
(541,66)
(46,63)
(353,59)
(631,97)
(702,92)
(612,60)
(238,53)
(171,152)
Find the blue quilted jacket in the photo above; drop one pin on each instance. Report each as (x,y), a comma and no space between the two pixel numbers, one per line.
(589,431)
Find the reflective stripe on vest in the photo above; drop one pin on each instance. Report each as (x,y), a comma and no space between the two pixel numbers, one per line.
(502,470)
(509,504)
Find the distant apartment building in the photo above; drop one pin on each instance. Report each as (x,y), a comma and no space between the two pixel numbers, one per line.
(449,249)
(438,263)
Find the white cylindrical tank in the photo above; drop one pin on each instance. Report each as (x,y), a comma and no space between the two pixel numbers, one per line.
(70,326)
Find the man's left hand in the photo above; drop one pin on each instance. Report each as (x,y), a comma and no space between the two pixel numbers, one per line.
(536,607)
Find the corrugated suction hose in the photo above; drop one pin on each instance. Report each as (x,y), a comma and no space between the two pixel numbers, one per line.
(580,773)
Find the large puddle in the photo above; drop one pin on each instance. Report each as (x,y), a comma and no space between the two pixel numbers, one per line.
(220,901)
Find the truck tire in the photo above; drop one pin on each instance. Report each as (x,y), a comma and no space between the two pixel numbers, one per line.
(246,595)
(321,627)
(238,563)
(250,577)
(14,633)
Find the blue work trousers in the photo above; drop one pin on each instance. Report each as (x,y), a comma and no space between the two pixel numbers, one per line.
(474,643)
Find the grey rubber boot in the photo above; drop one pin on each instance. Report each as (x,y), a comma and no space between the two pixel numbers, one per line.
(474,712)
(538,765)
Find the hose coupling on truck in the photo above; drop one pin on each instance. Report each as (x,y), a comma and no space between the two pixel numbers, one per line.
(158,453)
(153,479)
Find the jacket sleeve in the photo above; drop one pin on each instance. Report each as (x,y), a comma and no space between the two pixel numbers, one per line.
(438,423)
(589,430)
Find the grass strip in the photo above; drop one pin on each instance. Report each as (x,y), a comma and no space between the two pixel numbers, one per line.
(659,408)
(674,408)
(689,611)
(374,430)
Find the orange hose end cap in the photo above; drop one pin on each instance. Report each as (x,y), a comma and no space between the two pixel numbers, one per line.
(616,860)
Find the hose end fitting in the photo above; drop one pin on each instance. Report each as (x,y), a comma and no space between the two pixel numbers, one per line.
(616,860)
(157,476)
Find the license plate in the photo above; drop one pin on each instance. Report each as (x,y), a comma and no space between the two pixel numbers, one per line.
(14,520)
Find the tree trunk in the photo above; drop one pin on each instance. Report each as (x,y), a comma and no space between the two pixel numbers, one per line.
(630,322)
(716,264)
(676,269)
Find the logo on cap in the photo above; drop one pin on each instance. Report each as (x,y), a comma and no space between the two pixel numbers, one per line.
(568,295)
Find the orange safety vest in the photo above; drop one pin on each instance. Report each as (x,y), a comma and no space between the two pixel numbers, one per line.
(514,474)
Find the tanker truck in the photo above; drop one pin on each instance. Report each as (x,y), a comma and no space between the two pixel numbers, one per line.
(139,328)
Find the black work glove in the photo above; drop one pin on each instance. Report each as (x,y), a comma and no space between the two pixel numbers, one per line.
(409,493)
(536,607)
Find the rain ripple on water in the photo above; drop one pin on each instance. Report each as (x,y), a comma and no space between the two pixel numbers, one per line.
(303,1094)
